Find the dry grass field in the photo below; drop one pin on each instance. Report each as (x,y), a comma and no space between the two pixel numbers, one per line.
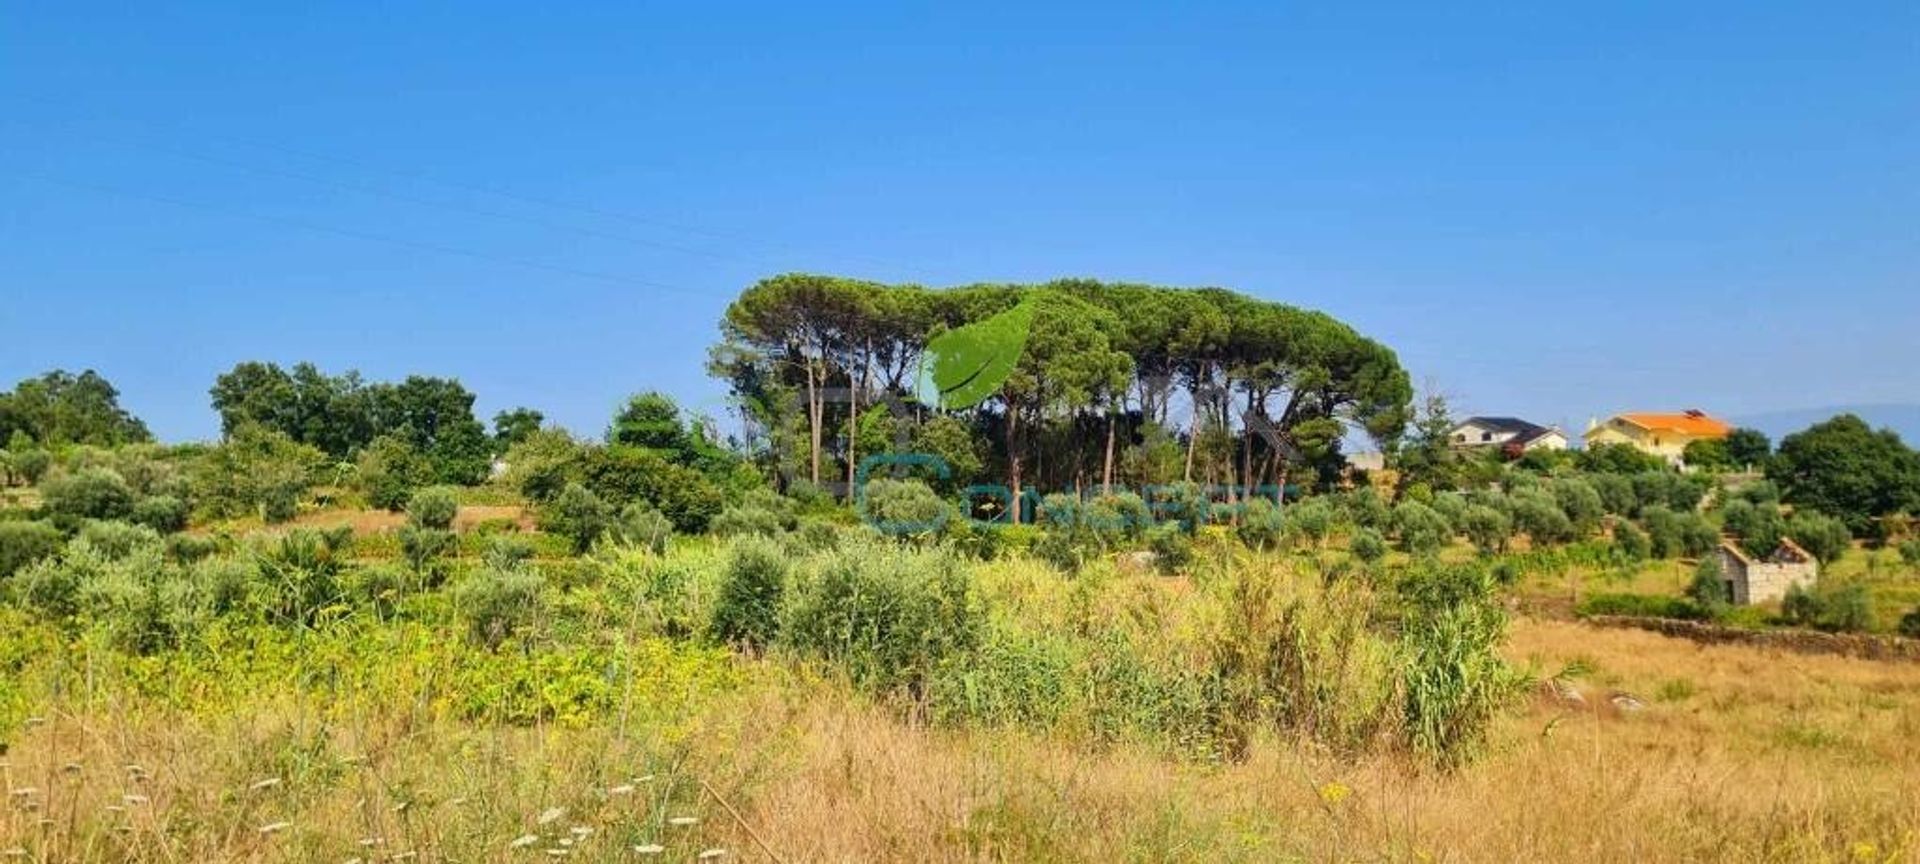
(1708,753)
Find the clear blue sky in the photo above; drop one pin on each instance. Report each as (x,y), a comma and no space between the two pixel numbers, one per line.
(1551,212)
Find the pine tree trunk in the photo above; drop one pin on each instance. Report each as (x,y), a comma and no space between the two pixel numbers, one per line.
(1106,472)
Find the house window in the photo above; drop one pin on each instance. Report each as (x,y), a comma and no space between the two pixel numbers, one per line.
(1486,436)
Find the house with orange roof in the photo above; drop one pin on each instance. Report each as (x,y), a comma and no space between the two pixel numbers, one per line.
(1663,435)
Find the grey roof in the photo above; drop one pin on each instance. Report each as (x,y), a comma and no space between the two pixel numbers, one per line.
(1505,424)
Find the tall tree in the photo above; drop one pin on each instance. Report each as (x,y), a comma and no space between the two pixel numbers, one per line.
(1845,468)
(59,407)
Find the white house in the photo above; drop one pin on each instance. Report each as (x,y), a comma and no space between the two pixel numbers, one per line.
(1510,433)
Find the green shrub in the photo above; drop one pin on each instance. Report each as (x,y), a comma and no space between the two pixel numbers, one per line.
(23,543)
(1708,589)
(299,576)
(189,548)
(118,539)
(1758,527)
(1909,625)
(390,468)
(888,615)
(499,602)
(163,513)
(1616,494)
(1065,548)
(643,527)
(1310,519)
(903,507)
(1910,553)
(91,493)
(280,503)
(1676,535)
(32,464)
(1117,518)
(1824,536)
(1633,543)
(1261,527)
(1537,514)
(1451,505)
(745,521)
(1172,547)
(424,547)
(1368,545)
(1454,681)
(1423,531)
(746,611)
(578,515)
(1581,503)
(1365,508)
(433,508)
(1489,529)
(1842,609)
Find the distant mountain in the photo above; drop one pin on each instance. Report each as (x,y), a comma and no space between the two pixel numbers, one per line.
(1904,419)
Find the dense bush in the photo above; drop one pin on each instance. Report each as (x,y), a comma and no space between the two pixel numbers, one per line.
(903,507)
(118,539)
(889,615)
(1833,609)
(433,508)
(1261,527)
(1117,518)
(743,520)
(1454,682)
(578,515)
(1172,547)
(746,611)
(1487,528)
(1310,519)
(1910,553)
(1708,589)
(1675,535)
(424,547)
(163,513)
(499,602)
(389,470)
(23,543)
(1909,625)
(90,493)
(1820,534)
(643,527)
(1368,545)
(1538,515)
(1581,503)
(624,474)
(1365,508)
(1759,527)
(1616,493)
(300,575)
(1633,543)
(1422,530)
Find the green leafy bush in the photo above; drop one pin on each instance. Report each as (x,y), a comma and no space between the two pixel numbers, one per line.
(91,493)
(1454,682)
(1368,545)
(1633,543)
(746,611)
(1708,589)
(1581,503)
(23,543)
(189,548)
(424,547)
(163,513)
(299,576)
(1172,547)
(643,527)
(1261,527)
(433,508)
(1843,609)
(1910,553)
(1909,625)
(904,507)
(1824,536)
(1310,519)
(578,515)
(889,615)
(1489,529)
(1676,535)
(1537,514)
(118,539)
(499,602)
(1422,530)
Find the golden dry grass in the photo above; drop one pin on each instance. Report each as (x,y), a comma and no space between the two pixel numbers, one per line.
(1738,755)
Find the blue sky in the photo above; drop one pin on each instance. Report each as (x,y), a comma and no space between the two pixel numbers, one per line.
(1548,212)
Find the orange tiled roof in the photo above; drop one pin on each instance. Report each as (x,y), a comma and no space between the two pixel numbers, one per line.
(1690,423)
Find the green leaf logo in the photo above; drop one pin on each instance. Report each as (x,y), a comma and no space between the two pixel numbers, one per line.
(965,366)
